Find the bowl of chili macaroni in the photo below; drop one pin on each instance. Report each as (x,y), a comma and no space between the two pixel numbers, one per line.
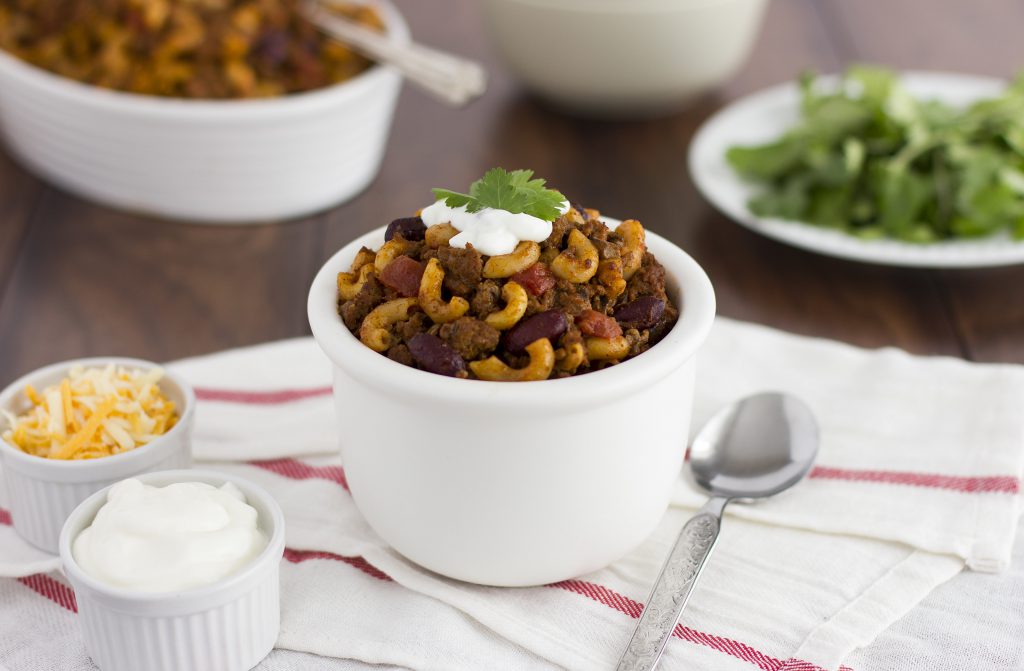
(514,419)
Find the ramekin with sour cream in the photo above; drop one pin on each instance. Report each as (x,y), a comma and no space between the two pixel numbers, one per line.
(43,492)
(229,624)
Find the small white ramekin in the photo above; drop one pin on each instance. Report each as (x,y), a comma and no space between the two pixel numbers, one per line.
(513,484)
(229,625)
(43,492)
(212,161)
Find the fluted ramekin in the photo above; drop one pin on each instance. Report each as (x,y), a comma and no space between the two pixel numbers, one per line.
(515,483)
(229,625)
(43,492)
(223,161)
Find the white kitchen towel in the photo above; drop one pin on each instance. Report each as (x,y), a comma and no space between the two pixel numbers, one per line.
(926,452)
(923,451)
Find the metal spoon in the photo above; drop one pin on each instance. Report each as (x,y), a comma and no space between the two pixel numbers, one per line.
(451,78)
(752,449)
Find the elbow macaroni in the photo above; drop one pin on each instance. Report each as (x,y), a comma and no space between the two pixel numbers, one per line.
(609,273)
(570,358)
(525,255)
(516,301)
(349,284)
(431,300)
(607,349)
(438,235)
(389,251)
(542,362)
(374,331)
(632,234)
(578,263)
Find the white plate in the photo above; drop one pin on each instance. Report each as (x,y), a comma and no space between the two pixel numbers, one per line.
(764,116)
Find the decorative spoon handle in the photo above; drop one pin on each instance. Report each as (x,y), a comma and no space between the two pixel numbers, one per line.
(451,78)
(673,588)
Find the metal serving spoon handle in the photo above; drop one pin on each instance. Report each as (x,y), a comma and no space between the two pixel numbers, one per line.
(673,588)
(453,79)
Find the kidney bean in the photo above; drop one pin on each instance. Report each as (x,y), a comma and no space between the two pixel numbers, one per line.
(593,323)
(433,355)
(551,325)
(403,275)
(642,313)
(272,47)
(536,279)
(411,228)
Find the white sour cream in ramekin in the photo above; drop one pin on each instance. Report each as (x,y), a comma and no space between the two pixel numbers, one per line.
(167,539)
(491,231)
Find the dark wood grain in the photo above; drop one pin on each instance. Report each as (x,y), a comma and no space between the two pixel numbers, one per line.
(19,192)
(78,279)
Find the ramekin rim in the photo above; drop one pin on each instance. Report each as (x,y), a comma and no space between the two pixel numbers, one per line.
(96,466)
(271,553)
(208,108)
(346,352)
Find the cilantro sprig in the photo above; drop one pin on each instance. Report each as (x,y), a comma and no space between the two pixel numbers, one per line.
(516,192)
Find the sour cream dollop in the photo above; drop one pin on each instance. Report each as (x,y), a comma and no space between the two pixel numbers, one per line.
(167,539)
(491,232)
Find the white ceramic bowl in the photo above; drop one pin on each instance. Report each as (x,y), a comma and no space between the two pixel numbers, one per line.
(229,625)
(623,57)
(514,483)
(43,492)
(206,160)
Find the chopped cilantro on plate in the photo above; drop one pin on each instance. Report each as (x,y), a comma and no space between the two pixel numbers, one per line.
(869,159)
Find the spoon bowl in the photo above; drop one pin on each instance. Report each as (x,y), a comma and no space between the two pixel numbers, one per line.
(755,448)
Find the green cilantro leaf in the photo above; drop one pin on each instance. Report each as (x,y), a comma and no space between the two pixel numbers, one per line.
(516,192)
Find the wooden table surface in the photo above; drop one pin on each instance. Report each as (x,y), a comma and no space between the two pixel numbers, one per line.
(79,279)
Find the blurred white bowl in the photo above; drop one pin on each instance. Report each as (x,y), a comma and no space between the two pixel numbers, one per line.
(207,160)
(43,492)
(623,57)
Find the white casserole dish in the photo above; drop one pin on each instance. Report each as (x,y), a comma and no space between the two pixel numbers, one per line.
(514,483)
(221,161)
(43,492)
(229,625)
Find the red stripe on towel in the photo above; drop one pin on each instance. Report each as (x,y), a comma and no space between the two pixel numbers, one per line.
(299,556)
(273,397)
(55,591)
(5,518)
(728,646)
(614,600)
(64,596)
(602,595)
(299,470)
(992,484)
(983,484)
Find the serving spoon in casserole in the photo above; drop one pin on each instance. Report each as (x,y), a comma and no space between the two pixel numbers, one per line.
(453,79)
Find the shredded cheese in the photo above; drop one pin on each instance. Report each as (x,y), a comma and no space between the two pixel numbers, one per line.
(94,412)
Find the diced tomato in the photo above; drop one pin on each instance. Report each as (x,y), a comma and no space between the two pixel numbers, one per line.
(593,323)
(536,279)
(403,275)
